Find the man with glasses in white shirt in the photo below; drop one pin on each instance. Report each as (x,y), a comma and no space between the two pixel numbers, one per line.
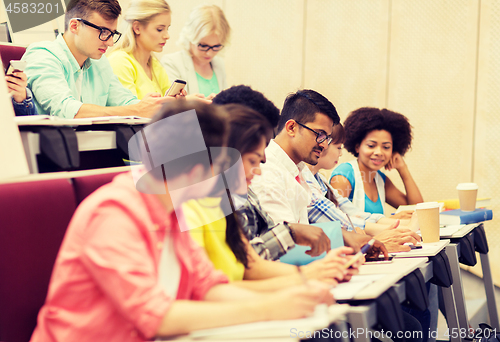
(304,130)
(71,78)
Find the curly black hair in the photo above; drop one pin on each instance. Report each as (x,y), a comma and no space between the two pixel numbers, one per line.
(364,120)
(242,94)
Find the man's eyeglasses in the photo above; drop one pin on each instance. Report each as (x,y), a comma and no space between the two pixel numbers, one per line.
(105,34)
(320,136)
(204,47)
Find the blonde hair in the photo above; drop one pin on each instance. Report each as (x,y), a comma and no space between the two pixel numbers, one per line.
(203,21)
(142,11)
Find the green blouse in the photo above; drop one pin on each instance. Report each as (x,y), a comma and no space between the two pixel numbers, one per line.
(208,86)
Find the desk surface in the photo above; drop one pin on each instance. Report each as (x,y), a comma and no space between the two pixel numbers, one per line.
(427,250)
(47,120)
(392,272)
(270,330)
(457,231)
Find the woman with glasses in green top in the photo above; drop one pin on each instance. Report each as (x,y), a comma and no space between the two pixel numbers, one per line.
(204,35)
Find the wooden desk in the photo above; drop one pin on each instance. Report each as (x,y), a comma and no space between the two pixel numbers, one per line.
(393,273)
(87,141)
(92,134)
(364,316)
(274,331)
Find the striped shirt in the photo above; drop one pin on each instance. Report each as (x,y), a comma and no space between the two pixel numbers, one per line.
(322,209)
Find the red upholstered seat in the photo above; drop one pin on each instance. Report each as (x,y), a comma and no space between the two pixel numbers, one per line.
(34,217)
(86,185)
(10,52)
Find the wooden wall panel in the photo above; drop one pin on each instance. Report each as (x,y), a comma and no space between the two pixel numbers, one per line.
(346,52)
(266,48)
(433,54)
(487,130)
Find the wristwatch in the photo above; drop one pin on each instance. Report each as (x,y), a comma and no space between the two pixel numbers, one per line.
(27,102)
(286,224)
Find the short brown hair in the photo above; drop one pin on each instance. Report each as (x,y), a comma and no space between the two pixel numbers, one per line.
(109,9)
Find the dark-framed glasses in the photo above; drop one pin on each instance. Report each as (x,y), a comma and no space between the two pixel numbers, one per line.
(105,34)
(205,47)
(320,136)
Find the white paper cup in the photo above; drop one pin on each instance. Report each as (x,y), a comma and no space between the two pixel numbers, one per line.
(428,221)
(467,194)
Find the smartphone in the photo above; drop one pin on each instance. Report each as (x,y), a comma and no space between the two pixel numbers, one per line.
(379,260)
(16,66)
(176,88)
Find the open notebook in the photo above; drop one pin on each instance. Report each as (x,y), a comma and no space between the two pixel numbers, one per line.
(285,328)
(346,291)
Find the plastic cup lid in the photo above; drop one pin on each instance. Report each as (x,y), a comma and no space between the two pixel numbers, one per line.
(467,186)
(427,205)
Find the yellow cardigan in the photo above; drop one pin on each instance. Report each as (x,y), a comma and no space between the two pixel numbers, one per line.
(209,231)
(132,75)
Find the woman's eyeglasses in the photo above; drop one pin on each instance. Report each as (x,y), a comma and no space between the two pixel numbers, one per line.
(205,48)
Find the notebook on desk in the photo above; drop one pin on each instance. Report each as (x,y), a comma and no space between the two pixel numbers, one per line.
(347,290)
(319,320)
(427,250)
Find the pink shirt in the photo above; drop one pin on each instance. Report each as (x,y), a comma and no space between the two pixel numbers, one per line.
(104,285)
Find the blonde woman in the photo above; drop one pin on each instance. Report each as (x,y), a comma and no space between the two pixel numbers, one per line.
(204,35)
(146,31)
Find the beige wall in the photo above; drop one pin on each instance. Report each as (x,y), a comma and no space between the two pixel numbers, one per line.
(434,61)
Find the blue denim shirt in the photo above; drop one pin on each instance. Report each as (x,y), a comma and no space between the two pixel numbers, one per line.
(52,73)
(27,107)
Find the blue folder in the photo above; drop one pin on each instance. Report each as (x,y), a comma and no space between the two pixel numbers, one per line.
(298,256)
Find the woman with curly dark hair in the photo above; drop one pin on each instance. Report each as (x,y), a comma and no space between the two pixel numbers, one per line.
(379,138)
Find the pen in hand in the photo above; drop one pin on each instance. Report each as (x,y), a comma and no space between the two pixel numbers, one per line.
(358,255)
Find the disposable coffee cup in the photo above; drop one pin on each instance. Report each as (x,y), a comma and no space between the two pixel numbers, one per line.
(428,220)
(467,194)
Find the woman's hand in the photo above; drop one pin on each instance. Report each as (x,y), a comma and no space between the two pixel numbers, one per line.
(298,301)
(211,96)
(331,268)
(403,215)
(394,238)
(181,95)
(377,249)
(16,85)
(198,97)
(154,95)
(397,162)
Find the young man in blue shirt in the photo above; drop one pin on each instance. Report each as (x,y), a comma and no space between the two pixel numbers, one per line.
(71,78)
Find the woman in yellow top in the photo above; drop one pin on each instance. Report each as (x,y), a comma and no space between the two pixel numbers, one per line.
(146,31)
(212,236)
